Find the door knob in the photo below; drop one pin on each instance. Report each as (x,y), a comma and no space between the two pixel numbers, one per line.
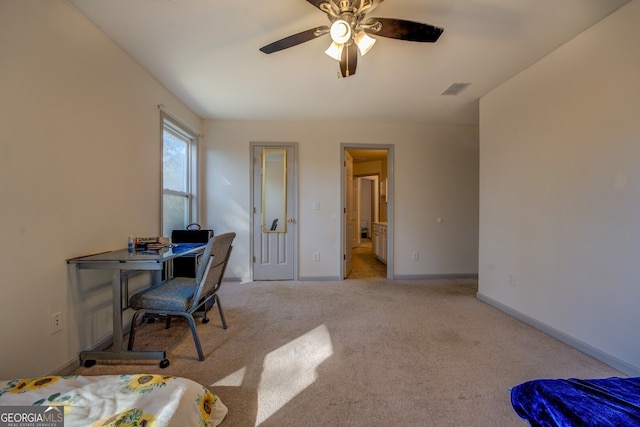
(290,220)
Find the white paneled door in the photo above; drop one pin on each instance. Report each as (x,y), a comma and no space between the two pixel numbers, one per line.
(274,212)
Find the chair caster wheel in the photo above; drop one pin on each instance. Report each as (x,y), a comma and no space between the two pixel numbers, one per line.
(89,363)
(164,363)
(205,320)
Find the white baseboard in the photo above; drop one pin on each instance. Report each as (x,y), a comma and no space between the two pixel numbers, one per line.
(319,278)
(597,354)
(435,276)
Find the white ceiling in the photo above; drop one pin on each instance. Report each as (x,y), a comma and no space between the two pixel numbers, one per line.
(206,53)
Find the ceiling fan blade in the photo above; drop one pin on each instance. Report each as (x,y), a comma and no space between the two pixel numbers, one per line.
(349,60)
(317,3)
(295,39)
(404,30)
(371,4)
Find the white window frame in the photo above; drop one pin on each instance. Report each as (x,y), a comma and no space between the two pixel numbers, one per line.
(176,127)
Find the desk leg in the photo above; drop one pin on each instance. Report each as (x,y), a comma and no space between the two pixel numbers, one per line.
(156,276)
(116,285)
(88,358)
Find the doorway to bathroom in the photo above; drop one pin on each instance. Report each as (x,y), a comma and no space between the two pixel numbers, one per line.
(368,208)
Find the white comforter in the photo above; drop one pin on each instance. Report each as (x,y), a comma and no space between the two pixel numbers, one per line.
(113,400)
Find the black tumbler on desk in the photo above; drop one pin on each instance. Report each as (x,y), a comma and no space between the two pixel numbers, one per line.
(186,266)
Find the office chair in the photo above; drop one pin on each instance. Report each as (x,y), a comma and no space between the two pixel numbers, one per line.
(182,296)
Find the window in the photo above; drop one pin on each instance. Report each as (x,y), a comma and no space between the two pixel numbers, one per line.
(179,176)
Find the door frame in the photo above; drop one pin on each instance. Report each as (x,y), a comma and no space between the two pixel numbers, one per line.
(376,181)
(293,192)
(390,201)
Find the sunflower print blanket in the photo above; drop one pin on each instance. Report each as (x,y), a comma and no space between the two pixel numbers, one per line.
(119,400)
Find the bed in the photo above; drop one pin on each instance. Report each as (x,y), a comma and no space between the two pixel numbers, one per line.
(119,400)
(576,402)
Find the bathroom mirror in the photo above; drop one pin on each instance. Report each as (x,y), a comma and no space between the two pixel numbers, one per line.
(274,190)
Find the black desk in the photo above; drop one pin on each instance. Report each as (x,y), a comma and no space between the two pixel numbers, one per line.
(118,262)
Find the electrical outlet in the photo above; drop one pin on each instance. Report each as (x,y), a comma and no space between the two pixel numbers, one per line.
(415,256)
(316,256)
(56,322)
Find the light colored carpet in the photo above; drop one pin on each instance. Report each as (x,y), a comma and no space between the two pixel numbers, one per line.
(361,353)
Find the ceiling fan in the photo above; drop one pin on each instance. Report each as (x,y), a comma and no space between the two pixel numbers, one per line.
(350,29)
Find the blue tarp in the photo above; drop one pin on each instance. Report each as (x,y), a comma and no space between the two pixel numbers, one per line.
(575,402)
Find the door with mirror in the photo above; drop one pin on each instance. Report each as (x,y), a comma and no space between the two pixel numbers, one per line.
(274,207)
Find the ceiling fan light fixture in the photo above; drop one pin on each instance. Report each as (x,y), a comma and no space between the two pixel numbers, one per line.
(350,31)
(364,42)
(340,31)
(335,51)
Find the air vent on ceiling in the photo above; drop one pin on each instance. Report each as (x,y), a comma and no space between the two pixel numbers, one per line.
(455,88)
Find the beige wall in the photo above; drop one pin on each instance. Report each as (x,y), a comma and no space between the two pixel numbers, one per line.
(79,172)
(436,173)
(560,192)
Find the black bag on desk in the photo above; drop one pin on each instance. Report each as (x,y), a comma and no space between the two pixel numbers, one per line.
(185,266)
